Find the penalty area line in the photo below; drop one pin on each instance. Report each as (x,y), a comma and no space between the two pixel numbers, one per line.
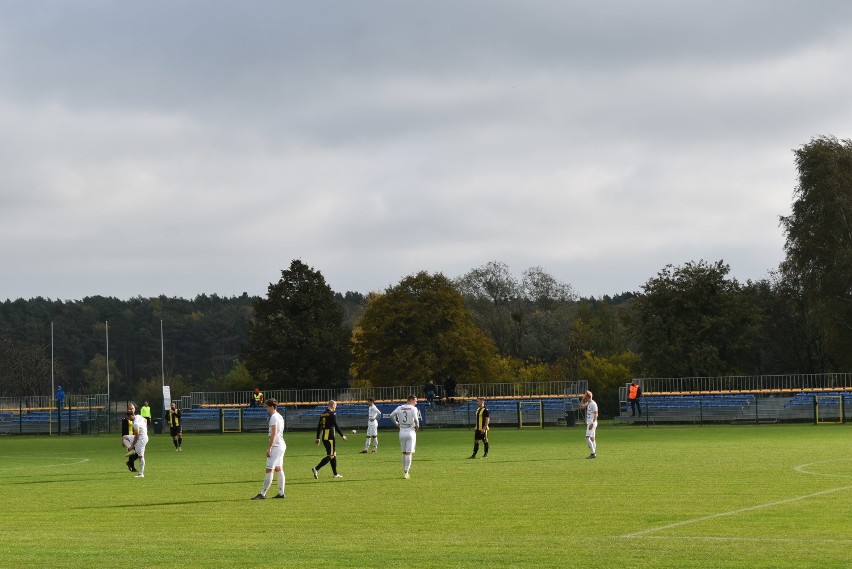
(735,512)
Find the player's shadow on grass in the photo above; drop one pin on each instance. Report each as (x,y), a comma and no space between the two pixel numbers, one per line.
(58,480)
(147,504)
(62,478)
(254,481)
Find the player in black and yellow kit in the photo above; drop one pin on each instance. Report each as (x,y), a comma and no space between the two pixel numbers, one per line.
(483,419)
(127,431)
(325,432)
(173,418)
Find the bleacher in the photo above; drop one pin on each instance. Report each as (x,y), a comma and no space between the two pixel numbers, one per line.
(721,407)
(32,421)
(801,405)
(354,415)
(505,411)
(715,401)
(807,399)
(730,407)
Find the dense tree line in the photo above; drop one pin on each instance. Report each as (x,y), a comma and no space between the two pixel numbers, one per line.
(691,319)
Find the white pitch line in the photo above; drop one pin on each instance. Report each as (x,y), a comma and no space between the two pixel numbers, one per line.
(797,540)
(803,468)
(77,459)
(735,512)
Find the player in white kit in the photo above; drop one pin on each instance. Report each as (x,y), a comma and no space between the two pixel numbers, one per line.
(140,437)
(591,408)
(275,449)
(373,416)
(407,419)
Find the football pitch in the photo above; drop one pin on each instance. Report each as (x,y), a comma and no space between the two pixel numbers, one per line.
(669,496)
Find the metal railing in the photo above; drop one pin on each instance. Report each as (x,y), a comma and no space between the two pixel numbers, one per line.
(396,393)
(746,383)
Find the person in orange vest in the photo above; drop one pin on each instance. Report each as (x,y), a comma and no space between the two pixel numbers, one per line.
(634,393)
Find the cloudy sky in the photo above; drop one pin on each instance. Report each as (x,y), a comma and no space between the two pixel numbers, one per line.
(189,147)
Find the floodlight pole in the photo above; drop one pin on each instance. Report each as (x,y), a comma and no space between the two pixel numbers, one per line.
(162,355)
(106,323)
(52,384)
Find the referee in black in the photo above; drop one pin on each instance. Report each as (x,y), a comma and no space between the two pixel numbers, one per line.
(483,419)
(325,432)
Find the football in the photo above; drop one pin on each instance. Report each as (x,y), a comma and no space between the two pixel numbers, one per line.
(354,431)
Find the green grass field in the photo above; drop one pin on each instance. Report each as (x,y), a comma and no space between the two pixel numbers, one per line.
(685,496)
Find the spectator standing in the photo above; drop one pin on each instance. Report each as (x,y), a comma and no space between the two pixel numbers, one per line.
(634,394)
(450,388)
(326,428)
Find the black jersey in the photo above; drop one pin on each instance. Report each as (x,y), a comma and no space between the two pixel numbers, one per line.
(327,425)
(127,426)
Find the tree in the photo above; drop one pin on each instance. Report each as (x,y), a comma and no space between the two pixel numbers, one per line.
(528,320)
(694,321)
(544,291)
(95,375)
(493,294)
(24,368)
(790,338)
(606,374)
(419,330)
(819,243)
(297,340)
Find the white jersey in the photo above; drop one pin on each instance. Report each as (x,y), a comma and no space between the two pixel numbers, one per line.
(140,426)
(277,421)
(591,412)
(373,414)
(407,416)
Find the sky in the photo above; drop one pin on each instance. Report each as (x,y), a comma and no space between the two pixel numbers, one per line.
(198,147)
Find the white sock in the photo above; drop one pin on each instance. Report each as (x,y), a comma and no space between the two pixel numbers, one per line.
(281,481)
(367,444)
(406,462)
(594,447)
(590,445)
(375,443)
(141,465)
(267,482)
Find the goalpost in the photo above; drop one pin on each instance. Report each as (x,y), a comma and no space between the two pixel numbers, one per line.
(828,409)
(231,420)
(530,414)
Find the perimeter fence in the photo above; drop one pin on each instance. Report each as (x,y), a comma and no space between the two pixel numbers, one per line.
(740,399)
(553,402)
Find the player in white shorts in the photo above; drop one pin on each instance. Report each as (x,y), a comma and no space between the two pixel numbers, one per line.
(275,450)
(407,419)
(591,408)
(373,416)
(140,437)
